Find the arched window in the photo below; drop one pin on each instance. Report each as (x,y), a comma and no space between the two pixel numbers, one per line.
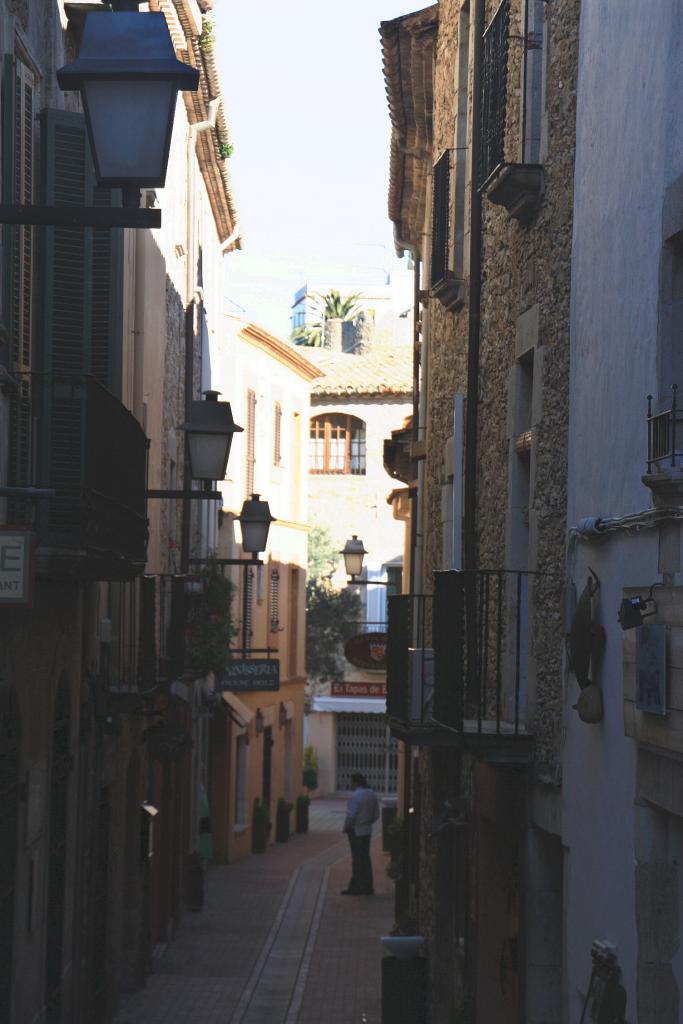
(9,809)
(337,444)
(56,878)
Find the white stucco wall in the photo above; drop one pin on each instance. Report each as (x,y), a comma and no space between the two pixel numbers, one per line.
(629,149)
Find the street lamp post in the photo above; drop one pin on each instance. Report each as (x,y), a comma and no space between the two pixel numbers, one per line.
(128,77)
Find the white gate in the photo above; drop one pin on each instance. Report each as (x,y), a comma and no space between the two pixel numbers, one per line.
(365,745)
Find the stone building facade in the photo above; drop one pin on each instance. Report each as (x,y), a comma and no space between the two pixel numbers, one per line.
(104,335)
(481,193)
(257,744)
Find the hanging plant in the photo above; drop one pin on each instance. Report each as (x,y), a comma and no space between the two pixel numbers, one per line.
(226,150)
(208,35)
(210,623)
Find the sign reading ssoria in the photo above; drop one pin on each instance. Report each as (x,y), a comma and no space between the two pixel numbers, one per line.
(251,674)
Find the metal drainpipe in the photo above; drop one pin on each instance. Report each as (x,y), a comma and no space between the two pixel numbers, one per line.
(187,482)
(470,533)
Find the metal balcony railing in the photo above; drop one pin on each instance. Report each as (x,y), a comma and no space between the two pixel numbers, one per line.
(457,659)
(664,435)
(82,442)
(494,93)
(481,651)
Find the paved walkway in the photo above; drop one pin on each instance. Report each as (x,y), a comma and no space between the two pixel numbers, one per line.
(276,943)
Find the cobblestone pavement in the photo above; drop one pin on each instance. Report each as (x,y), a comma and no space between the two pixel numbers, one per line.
(276,943)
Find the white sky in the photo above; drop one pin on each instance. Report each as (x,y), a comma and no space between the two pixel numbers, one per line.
(305,101)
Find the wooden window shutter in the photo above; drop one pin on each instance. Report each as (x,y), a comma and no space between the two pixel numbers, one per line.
(277,434)
(82,268)
(18,251)
(251,441)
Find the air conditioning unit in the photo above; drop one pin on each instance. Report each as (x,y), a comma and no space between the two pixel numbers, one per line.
(421,661)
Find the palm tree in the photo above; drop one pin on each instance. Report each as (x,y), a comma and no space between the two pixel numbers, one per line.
(331,306)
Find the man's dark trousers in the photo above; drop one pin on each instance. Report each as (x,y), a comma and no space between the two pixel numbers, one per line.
(361,865)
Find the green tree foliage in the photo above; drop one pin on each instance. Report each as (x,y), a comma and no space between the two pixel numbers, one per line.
(331,306)
(332,615)
(210,623)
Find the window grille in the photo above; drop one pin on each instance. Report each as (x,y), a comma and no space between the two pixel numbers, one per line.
(494,93)
(337,444)
(277,434)
(440,219)
(248,607)
(274,601)
(251,440)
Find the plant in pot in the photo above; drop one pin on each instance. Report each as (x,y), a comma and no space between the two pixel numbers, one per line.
(210,626)
(282,826)
(260,826)
(310,768)
(302,804)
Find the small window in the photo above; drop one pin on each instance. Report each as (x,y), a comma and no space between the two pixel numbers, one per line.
(440,217)
(241,819)
(277,434)
(337,444)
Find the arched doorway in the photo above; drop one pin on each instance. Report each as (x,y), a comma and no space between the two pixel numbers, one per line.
(9,811)
(56,878)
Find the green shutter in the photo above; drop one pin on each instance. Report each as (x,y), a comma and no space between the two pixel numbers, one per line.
(82,268)
(81,311)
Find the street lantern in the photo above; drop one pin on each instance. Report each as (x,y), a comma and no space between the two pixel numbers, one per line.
(353,552)
(129,78)
(209,436)
(255,520)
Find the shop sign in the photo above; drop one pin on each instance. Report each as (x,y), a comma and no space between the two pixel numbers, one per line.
(251,674)
(358,689)
(367,650)
(17,567)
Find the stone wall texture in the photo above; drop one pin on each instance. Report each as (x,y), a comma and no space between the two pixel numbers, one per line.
(521,267)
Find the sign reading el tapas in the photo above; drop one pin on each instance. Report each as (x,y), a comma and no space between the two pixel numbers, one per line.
(360,689)
(17,571)
(367,650)
(251,674)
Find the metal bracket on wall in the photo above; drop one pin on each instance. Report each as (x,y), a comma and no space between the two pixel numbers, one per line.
(80,216)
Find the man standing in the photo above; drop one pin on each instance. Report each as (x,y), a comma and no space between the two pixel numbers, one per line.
(362,810)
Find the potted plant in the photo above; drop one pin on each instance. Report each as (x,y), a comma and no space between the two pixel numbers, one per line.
(210,626)
(282,827)
(260,826)
(302,804)
(310,768)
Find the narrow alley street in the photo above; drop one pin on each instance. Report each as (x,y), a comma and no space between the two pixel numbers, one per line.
(276,942)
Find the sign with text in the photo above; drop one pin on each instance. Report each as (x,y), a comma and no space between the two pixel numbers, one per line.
(360,689)
(367,650)
(17,570)
(251,674)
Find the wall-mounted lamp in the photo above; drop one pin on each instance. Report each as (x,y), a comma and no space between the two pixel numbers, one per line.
(354,552)
(282,715)
(255,520)
(632,609)
(209,432)
(258,721)
(128,76)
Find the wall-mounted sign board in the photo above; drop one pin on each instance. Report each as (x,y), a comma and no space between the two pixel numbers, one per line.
(17,567)
(651,669)
(251,674)
(367,650)
(351,688)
